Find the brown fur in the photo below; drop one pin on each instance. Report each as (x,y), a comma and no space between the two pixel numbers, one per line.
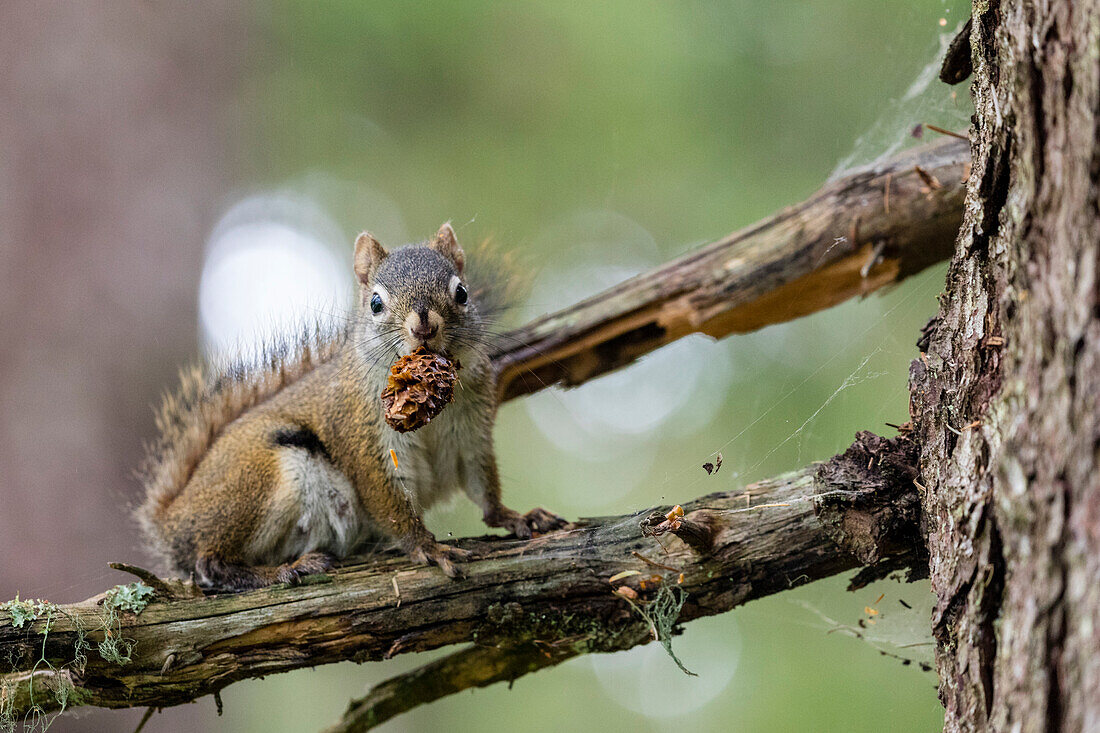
(266,473)
(208,399)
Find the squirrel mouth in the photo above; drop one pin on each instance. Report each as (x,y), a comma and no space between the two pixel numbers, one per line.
(423,329)
(433,345)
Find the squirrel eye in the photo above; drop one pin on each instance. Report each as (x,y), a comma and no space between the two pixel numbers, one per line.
(461,296)
(376,304)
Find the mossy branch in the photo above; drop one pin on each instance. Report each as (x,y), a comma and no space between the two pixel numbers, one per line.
(555,592)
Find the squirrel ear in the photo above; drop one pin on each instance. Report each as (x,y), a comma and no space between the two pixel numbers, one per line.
(446,243)
(368,255)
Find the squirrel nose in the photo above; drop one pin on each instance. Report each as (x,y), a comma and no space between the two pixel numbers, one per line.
(423,331)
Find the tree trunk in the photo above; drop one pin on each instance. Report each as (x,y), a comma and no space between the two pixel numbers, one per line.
(1005,398)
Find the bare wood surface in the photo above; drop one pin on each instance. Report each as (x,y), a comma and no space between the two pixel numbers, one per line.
(554,591)
(870,228)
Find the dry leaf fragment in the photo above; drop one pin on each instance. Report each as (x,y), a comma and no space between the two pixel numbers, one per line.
(623,574)
(419,386)
(929,180)
(393,457)
(626,592)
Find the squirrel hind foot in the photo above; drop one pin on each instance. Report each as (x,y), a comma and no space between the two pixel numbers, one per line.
(542,520)
(524,526)
(444,556)
(215,574)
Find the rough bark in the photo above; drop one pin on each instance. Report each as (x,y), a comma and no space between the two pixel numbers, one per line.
(1005,399)
(856,510)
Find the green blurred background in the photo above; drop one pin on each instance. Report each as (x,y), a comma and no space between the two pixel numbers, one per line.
(594,140)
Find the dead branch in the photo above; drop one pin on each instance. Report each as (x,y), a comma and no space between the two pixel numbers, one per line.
(881,532)
(474,666)
(554,593)
(842,242)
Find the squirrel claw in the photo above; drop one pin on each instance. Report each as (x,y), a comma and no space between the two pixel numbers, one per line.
(542,521)
(444,556)
(525,525)
(310,563)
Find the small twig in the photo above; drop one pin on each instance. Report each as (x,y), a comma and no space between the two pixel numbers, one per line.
(790,583)
(148,577)
(942,131)
(654,563)
(168,590)
(145,719)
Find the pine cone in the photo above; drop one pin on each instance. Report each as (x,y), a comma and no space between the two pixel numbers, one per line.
(419,386)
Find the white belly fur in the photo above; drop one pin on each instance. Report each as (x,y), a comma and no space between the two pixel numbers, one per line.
(315,508)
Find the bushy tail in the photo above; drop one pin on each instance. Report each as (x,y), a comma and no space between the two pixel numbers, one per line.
(497,283)
(211,396)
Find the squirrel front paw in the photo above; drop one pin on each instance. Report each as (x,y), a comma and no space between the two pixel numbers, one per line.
(524,525)
(445,556)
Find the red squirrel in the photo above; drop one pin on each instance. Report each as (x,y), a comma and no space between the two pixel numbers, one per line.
(262,475)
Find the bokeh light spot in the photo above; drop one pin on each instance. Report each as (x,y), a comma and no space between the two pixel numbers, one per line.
(273,263)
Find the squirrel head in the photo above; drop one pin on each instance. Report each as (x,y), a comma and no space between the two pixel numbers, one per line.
(415,295)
